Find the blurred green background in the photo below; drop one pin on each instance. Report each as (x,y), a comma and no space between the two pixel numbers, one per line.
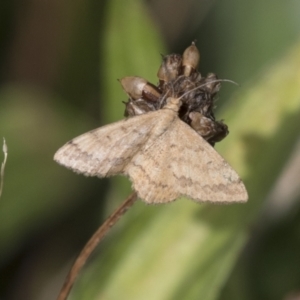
(59,65)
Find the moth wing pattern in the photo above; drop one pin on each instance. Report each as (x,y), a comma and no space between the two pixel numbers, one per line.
(105,151)
(181,163)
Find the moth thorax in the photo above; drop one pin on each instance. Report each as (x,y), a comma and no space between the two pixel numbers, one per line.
(173,103)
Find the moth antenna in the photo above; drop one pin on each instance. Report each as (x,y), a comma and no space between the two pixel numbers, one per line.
(213,81)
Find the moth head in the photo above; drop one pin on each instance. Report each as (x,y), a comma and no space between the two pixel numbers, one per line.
(173,103)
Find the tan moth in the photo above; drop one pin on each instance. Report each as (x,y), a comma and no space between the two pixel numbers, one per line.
(165,147)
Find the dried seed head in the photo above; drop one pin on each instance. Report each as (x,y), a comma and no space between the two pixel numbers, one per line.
(151,92)
(203,125)
(212,85)
(133,86)
(221,131)
(209,129)
(138,107)
(170,68)
(138,87)
(179,78)
(190,60)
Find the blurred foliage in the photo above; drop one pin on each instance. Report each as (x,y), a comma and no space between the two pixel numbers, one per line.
(59,65)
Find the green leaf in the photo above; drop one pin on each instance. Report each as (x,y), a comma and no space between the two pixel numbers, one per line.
(33,129)
(131,47)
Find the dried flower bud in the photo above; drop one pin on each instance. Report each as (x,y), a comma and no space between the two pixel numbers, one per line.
(151,93)
(138,87)
(190,61)
(211,85)
(210,130)
(179,77)
(133,86)
(201,124)
(221,131)
(137,107)
(169,68)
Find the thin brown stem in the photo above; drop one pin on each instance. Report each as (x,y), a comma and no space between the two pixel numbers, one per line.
(4,149)
(92,244)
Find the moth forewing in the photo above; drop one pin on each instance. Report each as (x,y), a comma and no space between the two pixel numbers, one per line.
(105,151)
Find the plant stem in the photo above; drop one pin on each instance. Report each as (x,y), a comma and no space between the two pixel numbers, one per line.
(4,149)
(92,244)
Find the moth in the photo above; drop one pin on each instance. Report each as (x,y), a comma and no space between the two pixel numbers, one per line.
(165,146)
